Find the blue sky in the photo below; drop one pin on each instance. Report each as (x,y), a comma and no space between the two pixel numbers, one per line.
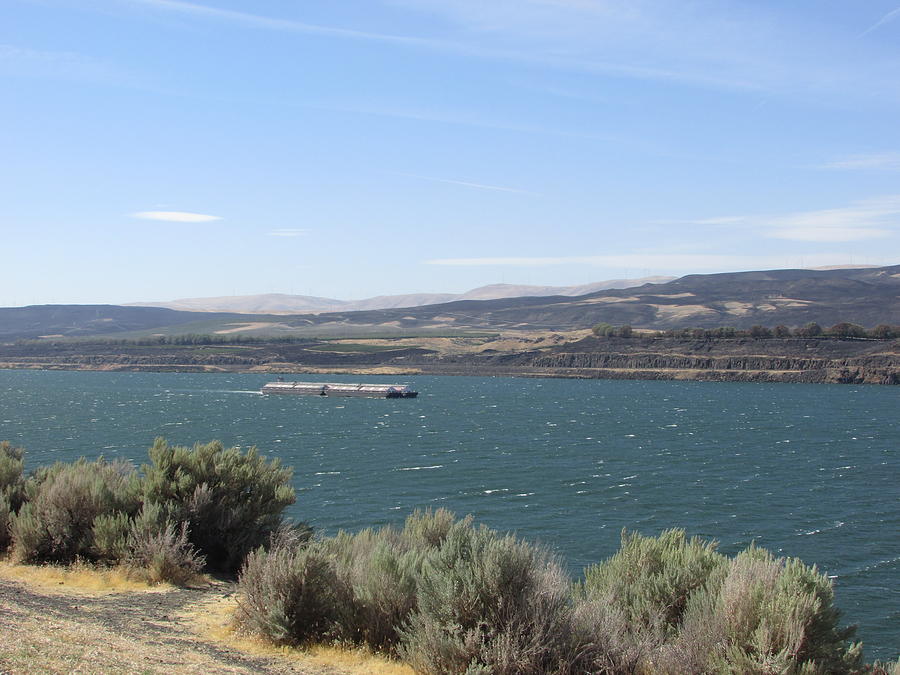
(161,149)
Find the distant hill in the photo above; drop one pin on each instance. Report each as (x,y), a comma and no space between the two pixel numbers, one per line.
(280,303)
(867,296)
(92,320)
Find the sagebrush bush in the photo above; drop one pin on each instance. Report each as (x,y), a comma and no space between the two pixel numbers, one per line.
(651,578)
(489,603)
(12,466)
(231,501)
(376,573)
(11,488)
(110,536)
(766,614)
(159,550)
(290,595)
(371,583)
(56,524)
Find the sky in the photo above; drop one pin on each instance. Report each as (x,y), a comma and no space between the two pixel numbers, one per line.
(160,149)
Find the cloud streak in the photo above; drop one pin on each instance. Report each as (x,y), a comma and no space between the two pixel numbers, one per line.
(553,58)
(175,216)
(678,262)
(288,232)
(887,18)
(463,183)
(883,160)
(867,219)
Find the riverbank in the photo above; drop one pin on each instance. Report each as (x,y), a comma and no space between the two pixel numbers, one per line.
(558,355)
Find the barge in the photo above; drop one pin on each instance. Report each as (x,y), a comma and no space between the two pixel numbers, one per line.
(340,389)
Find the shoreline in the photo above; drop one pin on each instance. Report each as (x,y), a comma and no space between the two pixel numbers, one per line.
(821,376)
(572,356)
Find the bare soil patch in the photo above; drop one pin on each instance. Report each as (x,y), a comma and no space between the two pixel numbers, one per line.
(50,626)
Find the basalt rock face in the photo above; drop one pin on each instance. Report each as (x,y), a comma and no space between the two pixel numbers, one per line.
(772,360)
(787,360)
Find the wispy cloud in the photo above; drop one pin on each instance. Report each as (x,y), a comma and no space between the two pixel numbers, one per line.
(867,219)
(469,120)
(883,160)
(54,64)
(288,25)
(553,57)
(887,18)
(288,232)
(679,262)
(463,183)
(175,216)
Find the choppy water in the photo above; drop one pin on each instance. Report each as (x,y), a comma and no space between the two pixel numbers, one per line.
(804,470)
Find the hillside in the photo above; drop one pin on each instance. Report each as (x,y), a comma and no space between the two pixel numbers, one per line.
(866,296)
(281,303)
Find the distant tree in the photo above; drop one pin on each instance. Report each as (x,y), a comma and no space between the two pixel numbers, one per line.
(723,332)
(603,329)
(782,331)
(883,332)
(760,332)
(625,331)
(809,330)
(847,330)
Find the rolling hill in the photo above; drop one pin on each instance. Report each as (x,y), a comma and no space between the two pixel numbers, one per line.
(280,303)
(867,296)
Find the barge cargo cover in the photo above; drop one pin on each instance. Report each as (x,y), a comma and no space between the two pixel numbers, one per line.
(340,389)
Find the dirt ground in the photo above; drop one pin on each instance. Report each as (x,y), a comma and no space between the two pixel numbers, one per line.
(170,631)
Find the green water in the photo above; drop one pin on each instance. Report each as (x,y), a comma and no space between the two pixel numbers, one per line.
(804,470)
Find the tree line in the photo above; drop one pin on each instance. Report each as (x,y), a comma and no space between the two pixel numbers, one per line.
(841,330)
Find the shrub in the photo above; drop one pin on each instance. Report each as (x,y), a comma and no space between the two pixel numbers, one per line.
(492,604)
(651,578)
(376,572)
(372,578)
(429,528)
(160,551)
(57,522)
(766,614)
(631,605)
(5,511)
(110,535)
(12,485)
(231,501)
(290,594)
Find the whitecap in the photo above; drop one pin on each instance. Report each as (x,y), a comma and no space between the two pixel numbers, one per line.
(420,468)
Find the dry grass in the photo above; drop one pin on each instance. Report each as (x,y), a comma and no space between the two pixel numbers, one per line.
(213,620)
(34,645)
(69,633)
(81,579)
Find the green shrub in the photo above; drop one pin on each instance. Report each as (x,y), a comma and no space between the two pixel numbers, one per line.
(764,614)
(5,512)
(12,488)
(429,528)
(489,603)
(231,501)
(12,484)
(651,578)
(56,524)
(110,535)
